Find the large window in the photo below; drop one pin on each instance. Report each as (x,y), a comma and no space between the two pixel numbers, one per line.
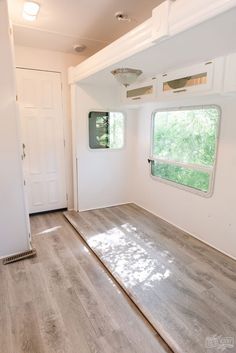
(184,143)
(106,130)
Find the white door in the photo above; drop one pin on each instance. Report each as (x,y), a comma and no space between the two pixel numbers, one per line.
(40,102)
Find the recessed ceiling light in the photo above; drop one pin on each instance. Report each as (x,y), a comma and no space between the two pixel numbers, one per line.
(30,10)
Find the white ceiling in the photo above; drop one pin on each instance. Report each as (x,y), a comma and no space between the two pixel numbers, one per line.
(63,23)
(204,42)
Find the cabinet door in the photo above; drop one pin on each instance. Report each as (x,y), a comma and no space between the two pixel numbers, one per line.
(230,74)
(141,92)
(198,78)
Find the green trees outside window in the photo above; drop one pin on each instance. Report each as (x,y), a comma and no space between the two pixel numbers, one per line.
(184,146)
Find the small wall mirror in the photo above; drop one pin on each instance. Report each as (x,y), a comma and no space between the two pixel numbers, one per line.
(106,130)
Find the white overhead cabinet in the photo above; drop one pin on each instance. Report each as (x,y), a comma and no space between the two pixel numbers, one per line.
(230,74)
(160,21)
(141,92)
(202,78)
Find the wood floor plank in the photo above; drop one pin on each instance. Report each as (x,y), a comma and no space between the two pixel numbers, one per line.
(92,302)
(26,334)
(51,325)
(200,251)
(64,301)
(6,343)
(17,275)
(118,304)
(133,274)
(166,272)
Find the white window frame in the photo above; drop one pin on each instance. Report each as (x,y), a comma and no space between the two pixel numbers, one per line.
(107,150)
(210,170)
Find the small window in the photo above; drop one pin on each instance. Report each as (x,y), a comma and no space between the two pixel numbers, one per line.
(106,130)
(184,146)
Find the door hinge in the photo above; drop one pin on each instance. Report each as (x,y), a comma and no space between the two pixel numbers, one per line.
(64,143)
(66,197)
(24,182)
(17,98)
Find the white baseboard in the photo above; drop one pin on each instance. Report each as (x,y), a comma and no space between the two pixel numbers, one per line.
(105,206)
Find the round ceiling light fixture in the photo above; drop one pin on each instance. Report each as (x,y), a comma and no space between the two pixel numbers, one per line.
(30,10)
(79,48)
(126,76)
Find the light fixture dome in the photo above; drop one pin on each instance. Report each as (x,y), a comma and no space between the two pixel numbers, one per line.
(30,10)
(126,76)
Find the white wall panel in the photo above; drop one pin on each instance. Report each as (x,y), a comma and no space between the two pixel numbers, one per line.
(103,175)
(14,231)
(211,220)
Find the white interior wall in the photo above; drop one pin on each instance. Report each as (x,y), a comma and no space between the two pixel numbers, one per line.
(38,59)
(209,219)
(102,184)
(14,230)
(114,177)
(104,176)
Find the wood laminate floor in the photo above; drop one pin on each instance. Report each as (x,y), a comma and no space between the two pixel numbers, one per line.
(186,289)
(64,301)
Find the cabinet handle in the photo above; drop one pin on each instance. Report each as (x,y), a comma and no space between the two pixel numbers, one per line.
(180,90)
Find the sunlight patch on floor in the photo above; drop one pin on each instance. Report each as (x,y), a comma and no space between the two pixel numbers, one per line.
(128,258)
(49,230)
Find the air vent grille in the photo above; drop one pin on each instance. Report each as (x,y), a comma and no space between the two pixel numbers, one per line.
(20,256)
